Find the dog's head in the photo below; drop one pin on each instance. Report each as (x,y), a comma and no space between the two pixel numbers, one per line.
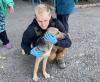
(56,32)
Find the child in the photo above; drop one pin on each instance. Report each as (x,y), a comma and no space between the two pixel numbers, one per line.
(4,5)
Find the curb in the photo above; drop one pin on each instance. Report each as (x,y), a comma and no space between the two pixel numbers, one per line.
(88,5)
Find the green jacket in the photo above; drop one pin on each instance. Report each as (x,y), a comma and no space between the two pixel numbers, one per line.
(4,5)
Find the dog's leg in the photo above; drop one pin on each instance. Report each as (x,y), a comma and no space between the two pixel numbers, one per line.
(46,75)
(37,62)
(52,55)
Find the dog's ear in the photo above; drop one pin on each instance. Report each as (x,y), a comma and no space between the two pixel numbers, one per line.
(61,35)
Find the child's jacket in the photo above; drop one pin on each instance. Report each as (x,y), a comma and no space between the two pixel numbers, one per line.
(4,5)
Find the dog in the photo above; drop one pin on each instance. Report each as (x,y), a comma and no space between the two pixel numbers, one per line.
(46,47)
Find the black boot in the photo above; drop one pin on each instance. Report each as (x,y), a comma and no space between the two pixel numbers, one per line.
(61,63)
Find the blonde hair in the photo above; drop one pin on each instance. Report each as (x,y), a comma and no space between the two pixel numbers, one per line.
(41,8)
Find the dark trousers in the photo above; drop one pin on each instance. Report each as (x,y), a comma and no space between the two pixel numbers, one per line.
(64,20)
(4,38)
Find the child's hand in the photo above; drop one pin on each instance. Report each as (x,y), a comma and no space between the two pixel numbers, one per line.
(11,9)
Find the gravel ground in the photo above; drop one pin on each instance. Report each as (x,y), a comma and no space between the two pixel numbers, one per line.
(83,58)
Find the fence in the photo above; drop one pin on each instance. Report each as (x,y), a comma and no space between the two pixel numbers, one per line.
(52,2)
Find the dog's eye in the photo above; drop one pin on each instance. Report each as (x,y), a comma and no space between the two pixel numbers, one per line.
(57,33)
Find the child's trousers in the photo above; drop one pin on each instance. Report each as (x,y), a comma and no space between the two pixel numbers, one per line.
(3,34)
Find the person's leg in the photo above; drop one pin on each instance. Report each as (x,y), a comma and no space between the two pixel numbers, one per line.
(5,40)
(3,35)
(64,20)
(60,57)
(60,53)
(57,55)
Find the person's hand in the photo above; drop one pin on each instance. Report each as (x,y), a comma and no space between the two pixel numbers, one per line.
(36,52)
(11,9)
(50,37)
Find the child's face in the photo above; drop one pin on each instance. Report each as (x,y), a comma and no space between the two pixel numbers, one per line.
(43,20)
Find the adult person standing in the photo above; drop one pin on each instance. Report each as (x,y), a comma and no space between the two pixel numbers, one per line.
(63,10)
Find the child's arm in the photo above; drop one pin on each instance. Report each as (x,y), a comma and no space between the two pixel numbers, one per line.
(10,4)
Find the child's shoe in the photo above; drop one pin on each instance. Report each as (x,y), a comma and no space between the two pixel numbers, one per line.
(8,46)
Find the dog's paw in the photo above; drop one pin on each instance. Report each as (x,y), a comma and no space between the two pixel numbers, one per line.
(46,75)
(35,78)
